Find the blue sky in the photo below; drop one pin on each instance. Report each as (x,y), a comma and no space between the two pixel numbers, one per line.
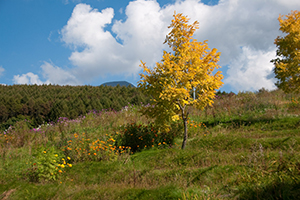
(90,42)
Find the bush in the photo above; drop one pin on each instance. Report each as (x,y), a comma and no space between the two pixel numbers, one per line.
(48,165)
(137,137)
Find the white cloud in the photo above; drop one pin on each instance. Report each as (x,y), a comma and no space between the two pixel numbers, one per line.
(51,73)
(28,78)
(140,35)
(1,70)
(56,75)
(232,25)
(252,70)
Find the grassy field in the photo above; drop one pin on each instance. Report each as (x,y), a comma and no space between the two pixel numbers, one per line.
(246,146)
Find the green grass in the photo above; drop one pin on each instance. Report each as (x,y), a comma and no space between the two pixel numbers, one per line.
(247,153)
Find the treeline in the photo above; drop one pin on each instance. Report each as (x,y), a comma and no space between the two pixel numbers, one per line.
(41,103)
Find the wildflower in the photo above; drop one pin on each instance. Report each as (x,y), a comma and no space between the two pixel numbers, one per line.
(44,151)
(55,155)
(60,172)
(62,165)
(95,154)
(70,165)
(68,158)
(62,159)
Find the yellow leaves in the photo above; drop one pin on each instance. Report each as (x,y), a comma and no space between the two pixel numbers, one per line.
(288,59)
(189,66)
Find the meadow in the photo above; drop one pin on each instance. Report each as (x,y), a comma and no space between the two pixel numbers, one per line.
(246,146)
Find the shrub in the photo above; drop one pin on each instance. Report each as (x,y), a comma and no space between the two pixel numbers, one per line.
(137,137)
(48,164)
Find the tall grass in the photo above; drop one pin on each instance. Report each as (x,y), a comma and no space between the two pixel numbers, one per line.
(244,147)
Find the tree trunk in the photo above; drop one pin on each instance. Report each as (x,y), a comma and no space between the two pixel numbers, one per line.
(185,133)
(184,119)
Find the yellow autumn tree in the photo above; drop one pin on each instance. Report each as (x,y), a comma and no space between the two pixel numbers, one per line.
(287,63)
(188,67)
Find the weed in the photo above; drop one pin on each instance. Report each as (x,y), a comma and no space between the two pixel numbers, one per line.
(47,165)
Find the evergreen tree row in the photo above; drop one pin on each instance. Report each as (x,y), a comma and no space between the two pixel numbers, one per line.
(41,103)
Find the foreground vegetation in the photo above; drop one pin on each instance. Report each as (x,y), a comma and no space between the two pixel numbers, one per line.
(244,147)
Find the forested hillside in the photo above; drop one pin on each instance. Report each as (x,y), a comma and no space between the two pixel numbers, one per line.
(49,102)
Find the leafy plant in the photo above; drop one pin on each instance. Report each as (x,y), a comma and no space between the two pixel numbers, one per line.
(48,164)
(135,137)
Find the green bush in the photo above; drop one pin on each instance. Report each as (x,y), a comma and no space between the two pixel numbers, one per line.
(137,137)
(48,164)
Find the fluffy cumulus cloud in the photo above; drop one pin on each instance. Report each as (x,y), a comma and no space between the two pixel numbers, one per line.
(140,37)
(242,30)
(252,70)
(28,78)
(57,75)
(52,74)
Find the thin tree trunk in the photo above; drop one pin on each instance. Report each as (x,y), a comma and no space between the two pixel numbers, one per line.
(185,133)
(184,119)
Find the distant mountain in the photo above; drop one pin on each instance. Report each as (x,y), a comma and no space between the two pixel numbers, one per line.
(115,83)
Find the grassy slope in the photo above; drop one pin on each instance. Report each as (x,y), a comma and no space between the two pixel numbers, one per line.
(247,148)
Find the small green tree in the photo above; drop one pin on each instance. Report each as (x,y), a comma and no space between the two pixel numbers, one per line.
(188,67)
(287,63)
